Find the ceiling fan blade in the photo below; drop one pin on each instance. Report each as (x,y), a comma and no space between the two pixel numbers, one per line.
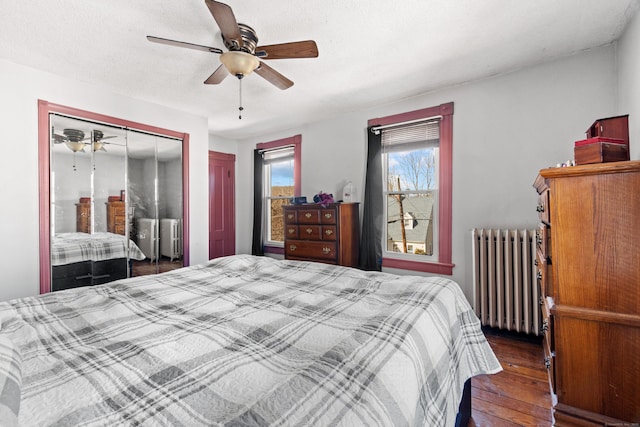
(273,77)
(218,75)
(58,139)
(226,20)
(184,44)
(302,49)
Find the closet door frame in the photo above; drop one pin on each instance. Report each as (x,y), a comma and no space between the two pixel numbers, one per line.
(45,108)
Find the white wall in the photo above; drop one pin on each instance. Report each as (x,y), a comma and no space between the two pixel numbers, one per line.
(505,129)
(21,87)
(629,82)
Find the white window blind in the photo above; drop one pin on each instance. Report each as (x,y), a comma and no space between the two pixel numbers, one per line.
(277,155)
(411,137)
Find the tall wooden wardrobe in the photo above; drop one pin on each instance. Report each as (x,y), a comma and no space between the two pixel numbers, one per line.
(588,262)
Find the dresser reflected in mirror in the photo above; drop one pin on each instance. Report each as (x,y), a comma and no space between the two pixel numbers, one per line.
(115,205)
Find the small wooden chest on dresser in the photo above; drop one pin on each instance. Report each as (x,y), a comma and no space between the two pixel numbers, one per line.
(588,262)
(329,234)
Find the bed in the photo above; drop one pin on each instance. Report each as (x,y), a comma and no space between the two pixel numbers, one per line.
(81,259)
(242,340)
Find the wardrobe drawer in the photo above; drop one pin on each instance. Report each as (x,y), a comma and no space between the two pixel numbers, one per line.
(543,244)
(543,206)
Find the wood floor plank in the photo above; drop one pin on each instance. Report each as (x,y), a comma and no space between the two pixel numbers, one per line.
(489,401)
(510,385)
(519,395)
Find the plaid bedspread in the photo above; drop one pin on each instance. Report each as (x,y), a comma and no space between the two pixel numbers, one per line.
(247,341)
(67,248)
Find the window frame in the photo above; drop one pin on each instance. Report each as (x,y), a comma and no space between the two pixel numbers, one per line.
(444,264)
(296,142)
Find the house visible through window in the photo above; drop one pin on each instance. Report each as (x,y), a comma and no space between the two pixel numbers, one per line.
(416,148)
(411,164)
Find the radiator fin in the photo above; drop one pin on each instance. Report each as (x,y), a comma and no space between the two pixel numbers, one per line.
(506,293)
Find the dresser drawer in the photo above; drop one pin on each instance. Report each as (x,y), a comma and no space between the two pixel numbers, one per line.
(118,211)
(310,249)
(543,206)
(329,232)
(543,245)
(291,231)
(309,232)
(290,217)
(547,321)
(308,216)
(549,363)
(328,216)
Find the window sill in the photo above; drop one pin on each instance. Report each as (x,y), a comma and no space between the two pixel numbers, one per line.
(273,249)
(425,267)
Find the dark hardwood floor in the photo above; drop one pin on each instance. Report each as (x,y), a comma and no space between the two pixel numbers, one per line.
(144,267)
(517,396)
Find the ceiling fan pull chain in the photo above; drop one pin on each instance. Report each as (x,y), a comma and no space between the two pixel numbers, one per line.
(240,108)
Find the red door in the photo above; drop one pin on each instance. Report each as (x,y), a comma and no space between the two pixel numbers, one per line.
(222,223)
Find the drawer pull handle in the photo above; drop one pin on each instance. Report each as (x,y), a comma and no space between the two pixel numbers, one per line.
(536,263)
(307,215)
(540,208)
(328,215)
(290,216)
(309,231)
(326,250)
(538,238)
(541,300)
(328,232)
(547,363)
(292,248)
(292,230)
(545,326)
(539,275)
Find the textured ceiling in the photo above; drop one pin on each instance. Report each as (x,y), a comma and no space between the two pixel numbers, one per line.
(371,51)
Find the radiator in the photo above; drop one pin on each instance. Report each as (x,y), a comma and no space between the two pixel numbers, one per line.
(147,237)
(171,238)
(506,293)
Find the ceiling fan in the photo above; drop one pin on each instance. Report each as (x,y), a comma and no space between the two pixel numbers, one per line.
(244,55)
(75,140)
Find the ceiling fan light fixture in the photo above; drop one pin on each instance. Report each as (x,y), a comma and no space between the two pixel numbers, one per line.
(239,63)
(75,146)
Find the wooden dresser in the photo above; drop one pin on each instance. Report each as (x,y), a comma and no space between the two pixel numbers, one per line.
(116,217)
(83,217)
(328,234)
(588,260)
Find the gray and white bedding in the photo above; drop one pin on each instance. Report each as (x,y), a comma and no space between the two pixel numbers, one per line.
(247,341)
(68,248)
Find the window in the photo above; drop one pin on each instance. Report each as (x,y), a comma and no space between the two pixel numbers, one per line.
(416,170)
(410,171)
(280,182)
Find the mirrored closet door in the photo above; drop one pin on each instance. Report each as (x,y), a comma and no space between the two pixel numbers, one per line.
(115,203)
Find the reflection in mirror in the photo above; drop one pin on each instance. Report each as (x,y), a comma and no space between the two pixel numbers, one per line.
(155,197)
(104,179)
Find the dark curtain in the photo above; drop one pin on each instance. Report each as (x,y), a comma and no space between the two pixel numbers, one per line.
(256,247)
(371,242)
